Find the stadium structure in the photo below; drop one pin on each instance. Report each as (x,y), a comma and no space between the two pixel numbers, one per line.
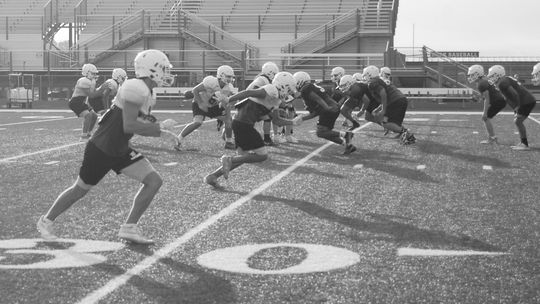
(200,35)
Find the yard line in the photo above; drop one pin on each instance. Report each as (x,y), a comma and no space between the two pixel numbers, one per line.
(534,119)
(30,122)
(120,280)
(41,151)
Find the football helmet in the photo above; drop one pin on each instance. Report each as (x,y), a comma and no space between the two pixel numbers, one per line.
(475,71)
(345,83)
(153,64)
(370,72)
(357,77)
(536,74)
(336,74)
(211,83)
(270,70)
(495,73)
(119,75)
(89,71)
(285,83)
(385,73)
(225,73)
(301,78)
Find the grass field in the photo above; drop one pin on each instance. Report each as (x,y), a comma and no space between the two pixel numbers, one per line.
(446,220)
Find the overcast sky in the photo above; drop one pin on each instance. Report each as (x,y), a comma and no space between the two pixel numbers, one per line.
(492,27)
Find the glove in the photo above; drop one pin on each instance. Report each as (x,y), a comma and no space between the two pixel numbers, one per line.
(297,120)
(167,124)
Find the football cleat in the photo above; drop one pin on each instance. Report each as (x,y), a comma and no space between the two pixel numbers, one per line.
(132,233)
(349,149)
(212,180)
(46,228)
(407,138)
(520,147)
(490,140)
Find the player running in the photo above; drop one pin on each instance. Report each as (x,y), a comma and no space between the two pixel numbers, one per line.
(109,148)
(320,104)
(207,102)
(254,105)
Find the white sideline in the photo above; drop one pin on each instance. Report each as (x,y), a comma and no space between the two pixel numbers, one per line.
(34,121)
(40,151)
(120,280)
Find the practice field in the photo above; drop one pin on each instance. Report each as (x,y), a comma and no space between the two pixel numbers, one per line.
(446,220)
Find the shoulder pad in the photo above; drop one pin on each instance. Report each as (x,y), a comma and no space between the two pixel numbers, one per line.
(135,91)
(271,90)
(84,83)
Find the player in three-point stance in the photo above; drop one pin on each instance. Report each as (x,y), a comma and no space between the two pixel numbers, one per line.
(207,102)
(517,97)
(253,106)
(109,147)
(393,106)
(493,100)
(358,96)
(84,90)
(319,103)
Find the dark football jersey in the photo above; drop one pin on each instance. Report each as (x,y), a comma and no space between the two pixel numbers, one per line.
(495,96)
(524,97)
(250,111)
(312,105)
(393,94)
(357,92)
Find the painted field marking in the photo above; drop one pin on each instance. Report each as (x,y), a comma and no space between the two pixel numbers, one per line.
(433,132)
(42,117)
(358,166)
(7,159)
(3,129)
(420,167)
(486,167)
(170,164)
(417,119)
(122,279)
(419,252)
(534,119)
(453,120)
(34,121)
(475,132)
(51,162)
(39,129)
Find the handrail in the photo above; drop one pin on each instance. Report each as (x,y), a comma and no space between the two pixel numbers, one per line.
(455,81)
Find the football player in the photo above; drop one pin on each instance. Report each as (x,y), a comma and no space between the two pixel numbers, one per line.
(208,97)
(109,147)
(358,96)
(517,97)
(254,105)
(319,103)
(268,71)
(110,88)
(85,89)
(393,104)
(493,99)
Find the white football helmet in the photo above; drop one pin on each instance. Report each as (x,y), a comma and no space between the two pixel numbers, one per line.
(336,74)
(475,71)
(153,64)
(385,73)
(370,72)
(301,79)
(345,83)
(270,70)
(285,83)
(211,83)
(495,73)
(226,74)
(357,77)
(89,71)
(119,75)
(536,74)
